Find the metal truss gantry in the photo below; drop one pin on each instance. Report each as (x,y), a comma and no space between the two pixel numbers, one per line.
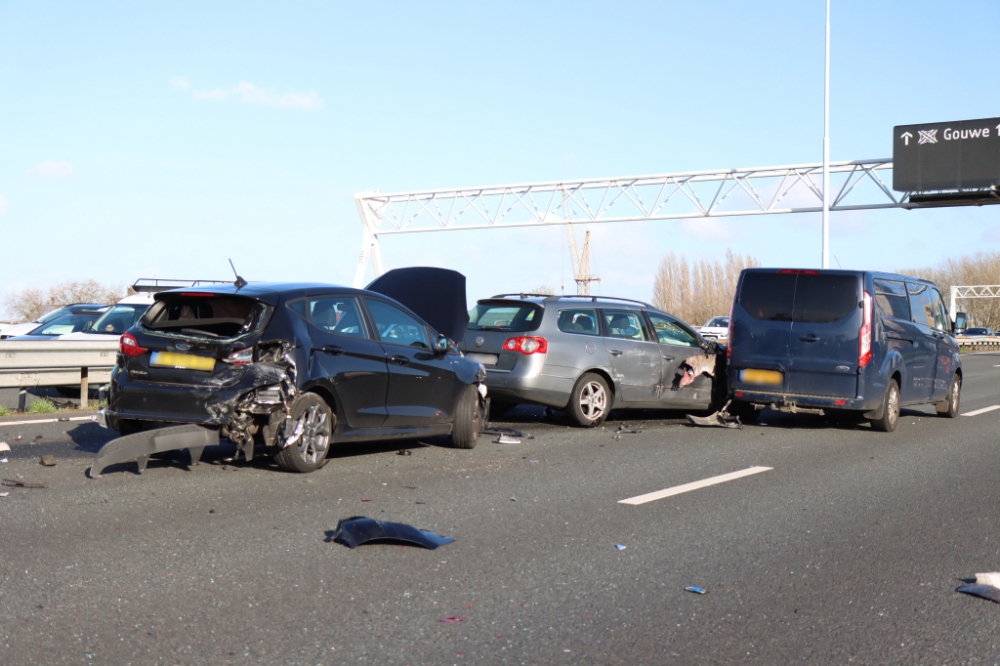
(773,190)
(973,291)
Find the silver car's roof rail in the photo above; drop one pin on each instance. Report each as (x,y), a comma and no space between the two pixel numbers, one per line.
(594,299)
(156,285)
(522,294)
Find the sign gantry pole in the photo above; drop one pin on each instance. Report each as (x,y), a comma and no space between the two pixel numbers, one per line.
(826,147)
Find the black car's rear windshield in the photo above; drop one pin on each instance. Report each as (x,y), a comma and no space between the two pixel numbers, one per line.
(204,315)
(516,317)
(801,296)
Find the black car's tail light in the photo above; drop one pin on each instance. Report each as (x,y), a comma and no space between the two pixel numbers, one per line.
(129,346)
(240,356)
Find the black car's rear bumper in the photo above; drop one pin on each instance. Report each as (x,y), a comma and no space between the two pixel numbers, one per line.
(206,405)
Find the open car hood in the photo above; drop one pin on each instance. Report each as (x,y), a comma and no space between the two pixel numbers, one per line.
(436,295)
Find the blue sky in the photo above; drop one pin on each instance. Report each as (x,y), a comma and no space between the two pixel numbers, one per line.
(142,139)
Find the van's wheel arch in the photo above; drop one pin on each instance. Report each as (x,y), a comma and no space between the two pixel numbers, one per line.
(890,409)
(309,450)
(949,408)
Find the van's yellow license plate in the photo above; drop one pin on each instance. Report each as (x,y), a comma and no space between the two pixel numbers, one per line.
(186,361)
(762,377)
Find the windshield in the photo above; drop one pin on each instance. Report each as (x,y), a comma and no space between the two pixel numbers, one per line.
(718,322)
(71,323)
(119,319)
(52,314)
(517,317)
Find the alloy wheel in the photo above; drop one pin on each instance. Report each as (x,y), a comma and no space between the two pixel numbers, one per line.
(315,437)
(593,400)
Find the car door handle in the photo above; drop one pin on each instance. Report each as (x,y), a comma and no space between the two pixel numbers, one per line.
(330,349)
(400,360)
(809,338)
(668,358)
(614,352)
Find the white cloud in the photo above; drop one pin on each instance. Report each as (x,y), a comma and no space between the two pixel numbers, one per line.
(248,93)
(53,168)
(180,83)
(3,204)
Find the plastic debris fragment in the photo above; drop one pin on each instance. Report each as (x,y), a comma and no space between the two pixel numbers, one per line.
(404,452)
(620,546)
(4,446)
(3,460)
(141,445)
(507,439)
(355,531)
(4,494)
(696,590)
(719,419)
(457,618)
(48,460)
(503,431)
(991,578)
(982,591)
(14,483)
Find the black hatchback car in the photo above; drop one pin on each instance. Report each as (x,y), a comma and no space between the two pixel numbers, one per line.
(294,367)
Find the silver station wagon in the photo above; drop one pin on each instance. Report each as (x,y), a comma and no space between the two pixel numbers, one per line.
(589,355)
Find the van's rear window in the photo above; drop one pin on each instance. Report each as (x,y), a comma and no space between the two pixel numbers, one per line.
(821,299)
(201,316)
(804,297)
(516,317)
(768,296)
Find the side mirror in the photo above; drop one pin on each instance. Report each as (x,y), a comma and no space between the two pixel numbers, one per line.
(959,322)
(442,344)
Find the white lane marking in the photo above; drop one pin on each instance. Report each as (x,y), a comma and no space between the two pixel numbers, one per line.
(981,411)
(72,418)
(694,485)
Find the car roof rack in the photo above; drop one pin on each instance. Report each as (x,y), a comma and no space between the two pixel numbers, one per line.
(156,285)
(522,294)
(594,299)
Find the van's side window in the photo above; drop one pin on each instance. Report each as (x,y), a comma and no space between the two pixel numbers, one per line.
(890,296)
(942,323)
(925,304)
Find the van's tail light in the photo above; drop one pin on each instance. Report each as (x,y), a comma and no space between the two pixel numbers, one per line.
(240,357)
(729,338)
(129,346)
(527,345)
(865,335)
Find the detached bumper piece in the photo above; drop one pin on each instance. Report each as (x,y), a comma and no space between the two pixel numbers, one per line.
(140,446)
(358,530)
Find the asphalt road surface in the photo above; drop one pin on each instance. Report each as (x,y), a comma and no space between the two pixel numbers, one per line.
(848,550)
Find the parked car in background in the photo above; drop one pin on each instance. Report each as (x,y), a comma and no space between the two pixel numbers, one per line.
(716,328)
(78,322)
(841,341)
(977,331)
(589,355)
(298,367)
(27,327)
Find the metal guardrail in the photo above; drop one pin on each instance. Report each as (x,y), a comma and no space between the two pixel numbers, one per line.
(33,363)
(978,343)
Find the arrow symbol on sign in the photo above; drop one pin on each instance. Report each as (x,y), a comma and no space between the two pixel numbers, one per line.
(906,136)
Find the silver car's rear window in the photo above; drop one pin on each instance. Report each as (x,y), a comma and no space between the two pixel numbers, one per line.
(515,317)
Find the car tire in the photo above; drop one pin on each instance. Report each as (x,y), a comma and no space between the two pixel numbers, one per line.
(949,408)
(313,421)
(746,412)
(468,419)
(890,409)
(590,401)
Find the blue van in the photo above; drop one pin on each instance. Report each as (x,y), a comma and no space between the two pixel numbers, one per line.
(828,341)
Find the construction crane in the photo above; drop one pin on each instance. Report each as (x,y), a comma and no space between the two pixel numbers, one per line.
(579,256)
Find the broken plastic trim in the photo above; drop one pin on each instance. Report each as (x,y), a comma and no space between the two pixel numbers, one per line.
(982,591)
(719,419)
(141,445)
(355,531)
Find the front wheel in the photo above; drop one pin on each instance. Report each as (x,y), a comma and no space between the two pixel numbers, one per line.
(890,409)
(949,408)
(306,439)
(468,420)
(590,401)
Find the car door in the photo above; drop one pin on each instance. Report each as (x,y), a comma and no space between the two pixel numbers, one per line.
(347,354)
(923,312)
(423,388)
(634,356)
(677,344)
(897,332)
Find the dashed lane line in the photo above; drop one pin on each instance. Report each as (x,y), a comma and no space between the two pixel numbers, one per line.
(694,485)
(981,411)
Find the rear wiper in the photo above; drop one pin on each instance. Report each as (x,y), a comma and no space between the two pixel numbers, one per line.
(195,331)
(493,328)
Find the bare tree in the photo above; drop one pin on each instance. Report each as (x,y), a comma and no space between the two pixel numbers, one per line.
(31,303)
(982,268)
(698,292)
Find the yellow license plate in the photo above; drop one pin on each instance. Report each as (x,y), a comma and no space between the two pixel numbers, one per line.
(186,361)
(762,377)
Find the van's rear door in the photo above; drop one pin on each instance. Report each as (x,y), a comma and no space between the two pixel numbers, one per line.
(762,328)
(824,340)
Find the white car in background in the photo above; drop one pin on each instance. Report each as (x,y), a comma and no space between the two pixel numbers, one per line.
(13,330)
(716,328)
